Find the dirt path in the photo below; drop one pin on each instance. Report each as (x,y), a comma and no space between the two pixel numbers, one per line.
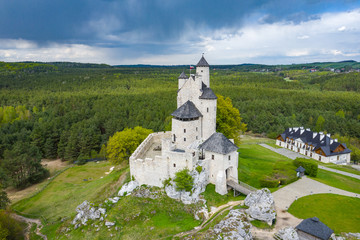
(30,221)
(214,212)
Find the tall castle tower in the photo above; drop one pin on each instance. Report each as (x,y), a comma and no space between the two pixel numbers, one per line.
(195,118)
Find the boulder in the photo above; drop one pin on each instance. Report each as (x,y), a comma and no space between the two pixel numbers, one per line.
(200,182)
(233,226)
(109,224)
(86,211)
(261,205)
(288,233)
(128,188)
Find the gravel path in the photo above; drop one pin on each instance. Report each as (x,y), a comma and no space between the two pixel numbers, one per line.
(30,221)
(283,151)
(340,172)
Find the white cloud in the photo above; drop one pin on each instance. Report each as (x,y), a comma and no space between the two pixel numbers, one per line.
(342,28)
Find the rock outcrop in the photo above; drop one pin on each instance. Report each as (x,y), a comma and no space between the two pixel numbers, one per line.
(234,226)
(86,211)
(261,205)
(199,186)
(127,188)
(288,233)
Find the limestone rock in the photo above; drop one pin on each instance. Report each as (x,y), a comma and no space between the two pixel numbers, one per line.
(288,233)
(109,224)
(86,211)
(261,205)
(234,226)
(144,192)
(202,213)
(128,188)
(200,183)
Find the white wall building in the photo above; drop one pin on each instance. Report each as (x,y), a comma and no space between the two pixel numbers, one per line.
(192,141)
(318,146)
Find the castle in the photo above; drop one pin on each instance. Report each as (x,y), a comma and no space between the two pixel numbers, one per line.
(193,140)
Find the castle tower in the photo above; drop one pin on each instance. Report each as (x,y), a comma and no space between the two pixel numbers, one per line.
(202,69)
(182,79)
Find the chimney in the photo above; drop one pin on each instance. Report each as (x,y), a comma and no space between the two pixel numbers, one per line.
(301,128)
(331,141)
(308,129)
(328,135)
(335,140)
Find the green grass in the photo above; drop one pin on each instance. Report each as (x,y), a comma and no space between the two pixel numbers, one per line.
(142,218)
(252,139)
(256,162)
(273,145)
(344,168)
(33,235)
(339,181)
(60,198)
(261,224)
(214,199)
(340,213)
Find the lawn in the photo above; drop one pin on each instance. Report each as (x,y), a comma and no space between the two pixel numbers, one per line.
(77,184)
(141,218)
(255,162)
(339,181)
(344,168)
(214,199)
(340,213)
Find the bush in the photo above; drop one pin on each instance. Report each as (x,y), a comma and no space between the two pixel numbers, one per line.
(183,180)
(269,182)
(311,168)
(199,169)
(9,227)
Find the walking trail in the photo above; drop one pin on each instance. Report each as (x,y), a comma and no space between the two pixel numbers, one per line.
(29,222)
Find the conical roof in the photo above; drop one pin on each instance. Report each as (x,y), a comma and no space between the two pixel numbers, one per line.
(202,62)
(218,143)
(187,111)
(183,76)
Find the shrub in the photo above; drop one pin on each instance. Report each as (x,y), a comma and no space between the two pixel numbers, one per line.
(199,169)
(183,180)
(311,168)
(9,227)
(269,182)
(167,182)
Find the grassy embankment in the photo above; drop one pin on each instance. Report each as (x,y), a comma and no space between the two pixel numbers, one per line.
(339,181)
(340,213)
(255,162)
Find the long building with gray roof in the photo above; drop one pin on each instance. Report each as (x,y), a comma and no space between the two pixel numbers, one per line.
(316,145)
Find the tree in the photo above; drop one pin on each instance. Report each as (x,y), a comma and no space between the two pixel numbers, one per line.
(122,144)
(183,180)
(228,119)
(23,164)
(320,124)
(340,114)
(4,200)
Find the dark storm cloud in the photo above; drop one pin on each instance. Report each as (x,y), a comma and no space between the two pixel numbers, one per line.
(93,21)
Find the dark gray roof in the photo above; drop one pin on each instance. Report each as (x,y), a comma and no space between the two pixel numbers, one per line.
(183,76)
(207,93)
(187,111)
(300,169)
(307,136)
(202,63)
(316,228)
(218,143)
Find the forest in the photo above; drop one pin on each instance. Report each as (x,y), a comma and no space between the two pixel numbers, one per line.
(69,110)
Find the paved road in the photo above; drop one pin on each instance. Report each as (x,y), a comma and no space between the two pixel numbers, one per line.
(285,152)
(340,172)
(285,196)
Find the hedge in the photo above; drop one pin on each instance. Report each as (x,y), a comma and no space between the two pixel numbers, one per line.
(311,168)
(269,182)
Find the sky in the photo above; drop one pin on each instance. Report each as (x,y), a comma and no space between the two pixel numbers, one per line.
(176,32)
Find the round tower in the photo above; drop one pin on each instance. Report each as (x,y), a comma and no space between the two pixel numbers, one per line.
(202,69)
(182,79)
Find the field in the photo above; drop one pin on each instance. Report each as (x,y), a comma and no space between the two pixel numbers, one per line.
(340,213)
(77,184)
(255,162)
(339,181)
